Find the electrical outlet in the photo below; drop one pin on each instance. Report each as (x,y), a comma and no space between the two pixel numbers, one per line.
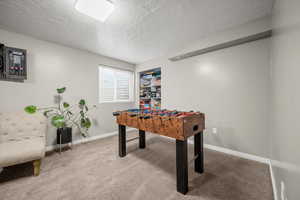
(214,130)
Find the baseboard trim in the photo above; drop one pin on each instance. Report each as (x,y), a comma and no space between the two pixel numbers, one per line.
(237,153)
(249,157)
(275,192)
(231,152)
(88,139)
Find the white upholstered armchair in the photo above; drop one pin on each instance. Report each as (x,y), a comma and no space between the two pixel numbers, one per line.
(22,139)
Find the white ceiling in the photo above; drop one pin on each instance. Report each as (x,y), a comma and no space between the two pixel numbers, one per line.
(137,31)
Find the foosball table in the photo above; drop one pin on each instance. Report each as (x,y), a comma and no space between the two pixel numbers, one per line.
(171,123)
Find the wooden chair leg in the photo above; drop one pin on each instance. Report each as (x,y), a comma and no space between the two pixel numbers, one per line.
(37,167)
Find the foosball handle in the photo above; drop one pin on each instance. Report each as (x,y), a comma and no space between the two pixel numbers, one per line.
(116,113)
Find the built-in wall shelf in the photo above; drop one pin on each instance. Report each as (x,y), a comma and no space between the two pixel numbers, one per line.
(150,89)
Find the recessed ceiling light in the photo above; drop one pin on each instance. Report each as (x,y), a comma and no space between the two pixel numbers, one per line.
(98,9)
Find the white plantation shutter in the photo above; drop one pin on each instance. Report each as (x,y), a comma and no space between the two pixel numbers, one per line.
(108,85)
(123,81)
(115,85)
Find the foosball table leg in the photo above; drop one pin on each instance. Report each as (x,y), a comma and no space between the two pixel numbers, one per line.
(198,152)
(142,139)
(122,141)
(182,166)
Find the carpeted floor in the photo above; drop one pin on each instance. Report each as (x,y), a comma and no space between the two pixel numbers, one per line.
(94,171)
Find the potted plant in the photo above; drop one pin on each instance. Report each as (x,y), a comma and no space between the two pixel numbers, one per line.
(63,116)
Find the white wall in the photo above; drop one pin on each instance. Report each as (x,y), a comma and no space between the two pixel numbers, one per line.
(230,86)
(51,66)
(285,96)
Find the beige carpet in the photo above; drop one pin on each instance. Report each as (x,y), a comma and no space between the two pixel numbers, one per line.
(94,171)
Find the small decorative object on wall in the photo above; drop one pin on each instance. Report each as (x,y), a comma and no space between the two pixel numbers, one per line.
(12,64)
(65,116)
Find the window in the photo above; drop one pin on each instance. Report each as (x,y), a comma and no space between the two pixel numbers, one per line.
(115,85)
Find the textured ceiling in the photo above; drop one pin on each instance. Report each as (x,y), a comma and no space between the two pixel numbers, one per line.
(138,30)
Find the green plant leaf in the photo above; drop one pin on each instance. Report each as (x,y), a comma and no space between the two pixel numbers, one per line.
(66,105)
(58,121)
(82,102)
(86,108)
(88,123)
(30,109)
(85,123)
(82,113)
(46,112)
(61,90)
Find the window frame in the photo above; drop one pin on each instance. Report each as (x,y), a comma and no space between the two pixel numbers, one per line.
(131,85)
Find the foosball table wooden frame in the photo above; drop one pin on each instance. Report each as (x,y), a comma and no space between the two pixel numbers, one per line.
(173,124)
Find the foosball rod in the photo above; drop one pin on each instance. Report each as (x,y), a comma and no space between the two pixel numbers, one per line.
(193,159)
(132,139)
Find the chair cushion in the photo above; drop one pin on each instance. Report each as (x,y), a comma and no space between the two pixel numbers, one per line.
(12,153)
(16,126)
(22,137)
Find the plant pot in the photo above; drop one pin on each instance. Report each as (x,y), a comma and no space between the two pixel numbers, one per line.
(65,134)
